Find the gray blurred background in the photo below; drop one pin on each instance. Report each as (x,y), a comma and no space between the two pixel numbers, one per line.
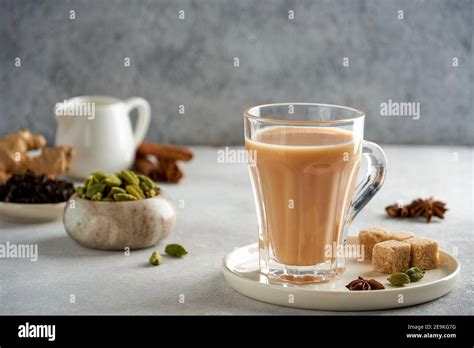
(190,62)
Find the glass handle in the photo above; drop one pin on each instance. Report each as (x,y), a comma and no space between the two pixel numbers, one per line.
(373,180)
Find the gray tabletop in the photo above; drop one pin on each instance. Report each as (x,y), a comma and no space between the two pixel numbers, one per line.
(215,214)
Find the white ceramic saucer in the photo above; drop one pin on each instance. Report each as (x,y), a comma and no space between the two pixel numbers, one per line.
(32,212)
(240,268)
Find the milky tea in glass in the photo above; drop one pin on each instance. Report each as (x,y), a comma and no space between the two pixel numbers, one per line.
(304,167)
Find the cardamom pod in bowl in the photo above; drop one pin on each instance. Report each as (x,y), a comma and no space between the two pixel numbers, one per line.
(116,225)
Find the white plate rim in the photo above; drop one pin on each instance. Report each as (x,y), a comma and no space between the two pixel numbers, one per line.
(32,205)
(31,212)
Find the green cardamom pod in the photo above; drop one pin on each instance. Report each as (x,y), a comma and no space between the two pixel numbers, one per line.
(112,180)
(145,187)
(130,177)
(80,190)
(88,181)
(114,190)
(97,197)
(151,193)
(415,274)
(94,188)
(175,250)
(399,279)
(123,186)
(99,175)
(124,197)
(155,258)
(135,191)
(147,181)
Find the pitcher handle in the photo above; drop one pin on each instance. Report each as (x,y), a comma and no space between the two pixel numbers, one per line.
(143,121)
(376,172)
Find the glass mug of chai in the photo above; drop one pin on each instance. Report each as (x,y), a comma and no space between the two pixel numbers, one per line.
(304,162)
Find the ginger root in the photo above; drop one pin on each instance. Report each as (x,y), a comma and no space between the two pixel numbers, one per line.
(53,161)
(14,146)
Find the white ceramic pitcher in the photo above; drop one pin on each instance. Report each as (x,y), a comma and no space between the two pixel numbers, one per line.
(100,131)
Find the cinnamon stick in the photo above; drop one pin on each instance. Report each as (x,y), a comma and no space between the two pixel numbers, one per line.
(168,152)
(170,169)
(146,167)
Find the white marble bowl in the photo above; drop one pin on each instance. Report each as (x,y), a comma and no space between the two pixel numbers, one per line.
(119,225)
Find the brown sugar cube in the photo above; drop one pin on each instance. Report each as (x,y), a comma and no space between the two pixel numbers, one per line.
(371,236)
(391,256)
(402,235)
(424,253)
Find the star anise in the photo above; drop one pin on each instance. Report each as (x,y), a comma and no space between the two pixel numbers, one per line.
(427,208)
(397,210)
(419,207)
(362,284)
